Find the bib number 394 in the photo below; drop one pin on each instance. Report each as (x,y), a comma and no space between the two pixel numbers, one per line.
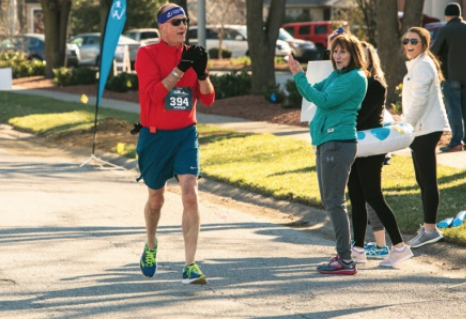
(179,99)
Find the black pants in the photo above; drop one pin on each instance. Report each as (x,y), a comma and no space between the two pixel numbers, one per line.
(425,168)
(365,185)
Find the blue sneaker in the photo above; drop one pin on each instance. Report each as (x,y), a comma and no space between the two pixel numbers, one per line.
(366,244)
(148,263)
(192,274)
(459,219)
(376,252)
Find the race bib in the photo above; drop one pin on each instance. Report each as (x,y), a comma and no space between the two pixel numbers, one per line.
(179,99)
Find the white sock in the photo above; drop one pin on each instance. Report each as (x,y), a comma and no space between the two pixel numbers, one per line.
(400,250)
(359,251)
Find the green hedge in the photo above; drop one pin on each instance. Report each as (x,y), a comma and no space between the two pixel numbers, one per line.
(213,53)
(123,82)
(75,76)
(20,66)
(231,84)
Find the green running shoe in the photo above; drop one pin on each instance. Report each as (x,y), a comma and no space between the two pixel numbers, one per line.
(148,263)
(193,275)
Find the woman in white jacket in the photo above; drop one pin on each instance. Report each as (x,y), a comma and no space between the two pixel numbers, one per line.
(424,109)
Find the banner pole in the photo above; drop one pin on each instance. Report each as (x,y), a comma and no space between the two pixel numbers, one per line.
(116,16)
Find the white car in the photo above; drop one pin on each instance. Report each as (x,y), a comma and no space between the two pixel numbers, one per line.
(89,48)
(234,39)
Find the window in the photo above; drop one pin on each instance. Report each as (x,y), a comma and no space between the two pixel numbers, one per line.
(320,29)
(91,40)
(148,35)
(131,35)
(231,34)
(290,30)
(192,34)
(211,35)
(304,30)
(78,41)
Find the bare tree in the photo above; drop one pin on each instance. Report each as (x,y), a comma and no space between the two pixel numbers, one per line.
(221,15)
(56,15)
(368,9)
(390,32)
(262,38)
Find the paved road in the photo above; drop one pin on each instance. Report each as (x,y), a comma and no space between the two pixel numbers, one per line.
(70,240)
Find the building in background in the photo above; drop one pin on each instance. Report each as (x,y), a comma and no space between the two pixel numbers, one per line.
(20,16)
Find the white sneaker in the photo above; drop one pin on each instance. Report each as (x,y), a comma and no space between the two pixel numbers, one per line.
(358,258)
(396,257)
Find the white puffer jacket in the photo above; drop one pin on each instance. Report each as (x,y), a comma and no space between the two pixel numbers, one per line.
(422,99)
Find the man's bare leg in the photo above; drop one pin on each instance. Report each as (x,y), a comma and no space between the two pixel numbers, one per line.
(191,218)
(152,212)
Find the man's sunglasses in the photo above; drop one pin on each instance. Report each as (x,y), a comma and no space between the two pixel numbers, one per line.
(177,22)
(413,41)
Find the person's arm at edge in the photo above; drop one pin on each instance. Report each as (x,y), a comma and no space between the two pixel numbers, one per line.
(333,96)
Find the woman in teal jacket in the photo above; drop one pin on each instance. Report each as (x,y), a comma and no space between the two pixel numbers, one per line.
(333,131)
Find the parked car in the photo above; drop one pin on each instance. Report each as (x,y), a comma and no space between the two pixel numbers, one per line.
(143,36)
(433,29)
(315,31)
(33,45)
(302,50)
(235,40)
(89,48)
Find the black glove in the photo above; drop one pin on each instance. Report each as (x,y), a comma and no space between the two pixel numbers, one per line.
(189,57)
(201,64)
(136,129)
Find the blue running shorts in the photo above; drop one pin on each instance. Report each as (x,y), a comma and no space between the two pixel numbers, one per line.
(166,154)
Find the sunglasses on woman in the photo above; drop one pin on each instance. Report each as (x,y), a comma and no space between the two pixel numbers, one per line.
(413,41)
(177,22)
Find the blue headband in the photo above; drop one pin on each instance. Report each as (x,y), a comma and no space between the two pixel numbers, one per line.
(167,15)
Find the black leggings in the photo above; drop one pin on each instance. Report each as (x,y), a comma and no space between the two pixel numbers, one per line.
(425,168)
(365,185)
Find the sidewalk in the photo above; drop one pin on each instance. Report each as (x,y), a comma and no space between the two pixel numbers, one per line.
(456,159)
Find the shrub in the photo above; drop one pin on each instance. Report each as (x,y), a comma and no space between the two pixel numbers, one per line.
(213,53)
(20,66)
(83,76)
(37,67)
(75,76)
(294,99)
(62,76)
(273,93)
(231,84)
(122,82)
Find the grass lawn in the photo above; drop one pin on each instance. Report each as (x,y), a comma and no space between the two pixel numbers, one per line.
(280,167)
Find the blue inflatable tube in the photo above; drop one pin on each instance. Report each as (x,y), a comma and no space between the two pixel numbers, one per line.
(389,138)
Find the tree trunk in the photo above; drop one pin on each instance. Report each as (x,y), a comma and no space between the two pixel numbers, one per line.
(22,19)
(56,15)
(262,41)
(390,32)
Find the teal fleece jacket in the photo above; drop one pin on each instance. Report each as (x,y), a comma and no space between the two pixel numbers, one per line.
(338,99)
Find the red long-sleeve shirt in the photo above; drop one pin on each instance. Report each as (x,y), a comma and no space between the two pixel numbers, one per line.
(154,63)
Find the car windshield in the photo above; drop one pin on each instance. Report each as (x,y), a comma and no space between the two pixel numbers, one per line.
(284,35)
(131,35)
